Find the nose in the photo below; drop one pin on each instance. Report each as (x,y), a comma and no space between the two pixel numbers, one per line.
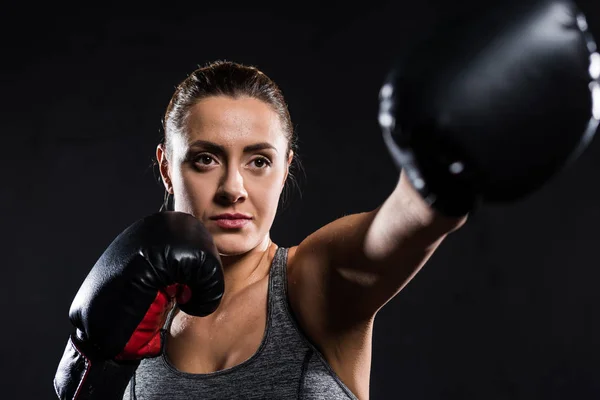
(231,188)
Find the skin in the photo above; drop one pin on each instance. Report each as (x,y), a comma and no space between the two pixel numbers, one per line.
(338,277)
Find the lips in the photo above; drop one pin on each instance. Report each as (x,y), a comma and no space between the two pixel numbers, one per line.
(231,216)
(231,221)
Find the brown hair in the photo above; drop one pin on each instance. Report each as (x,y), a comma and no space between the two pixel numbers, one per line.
(227,78)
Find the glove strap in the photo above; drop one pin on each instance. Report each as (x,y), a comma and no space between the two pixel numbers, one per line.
(79,377)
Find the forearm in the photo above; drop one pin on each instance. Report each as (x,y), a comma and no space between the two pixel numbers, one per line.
(406,223)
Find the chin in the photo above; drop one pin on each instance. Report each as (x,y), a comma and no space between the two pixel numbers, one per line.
(233,245)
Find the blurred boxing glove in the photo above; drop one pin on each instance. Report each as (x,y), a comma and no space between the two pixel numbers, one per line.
(123,302)
(493,105)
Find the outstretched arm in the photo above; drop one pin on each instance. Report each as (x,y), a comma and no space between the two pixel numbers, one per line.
(463,134)
(357,263)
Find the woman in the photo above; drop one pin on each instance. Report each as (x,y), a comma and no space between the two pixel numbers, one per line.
(292,322)
(297,322)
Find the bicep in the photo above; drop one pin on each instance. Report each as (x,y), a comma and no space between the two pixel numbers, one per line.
(331,285)
(346,271)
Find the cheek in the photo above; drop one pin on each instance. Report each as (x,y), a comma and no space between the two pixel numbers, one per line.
(194,190)
(265,196)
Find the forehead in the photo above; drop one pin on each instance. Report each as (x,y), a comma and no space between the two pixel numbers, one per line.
(230,122)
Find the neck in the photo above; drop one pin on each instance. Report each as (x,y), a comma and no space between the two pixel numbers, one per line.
(242,270)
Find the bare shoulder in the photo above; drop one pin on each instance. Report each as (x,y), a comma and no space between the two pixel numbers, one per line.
(318,281)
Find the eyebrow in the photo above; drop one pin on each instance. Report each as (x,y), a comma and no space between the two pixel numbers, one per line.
(218,149)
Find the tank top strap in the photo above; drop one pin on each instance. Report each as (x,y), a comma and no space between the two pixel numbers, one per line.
(280,312)
(278,276)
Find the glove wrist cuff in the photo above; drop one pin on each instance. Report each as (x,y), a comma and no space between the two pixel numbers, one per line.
(80,377)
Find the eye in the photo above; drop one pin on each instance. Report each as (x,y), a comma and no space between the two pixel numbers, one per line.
(204,160)
(261,162)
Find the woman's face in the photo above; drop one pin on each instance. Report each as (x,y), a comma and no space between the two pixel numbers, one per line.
(231,159)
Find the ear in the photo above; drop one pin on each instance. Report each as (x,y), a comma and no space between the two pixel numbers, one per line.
(163,166)
(287,169)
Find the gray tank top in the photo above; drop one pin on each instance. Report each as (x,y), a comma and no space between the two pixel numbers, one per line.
(285,366)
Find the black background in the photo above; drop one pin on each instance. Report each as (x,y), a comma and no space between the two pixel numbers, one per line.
(507,308)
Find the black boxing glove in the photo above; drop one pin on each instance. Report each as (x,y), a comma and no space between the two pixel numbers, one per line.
(493,105)
(123,302)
